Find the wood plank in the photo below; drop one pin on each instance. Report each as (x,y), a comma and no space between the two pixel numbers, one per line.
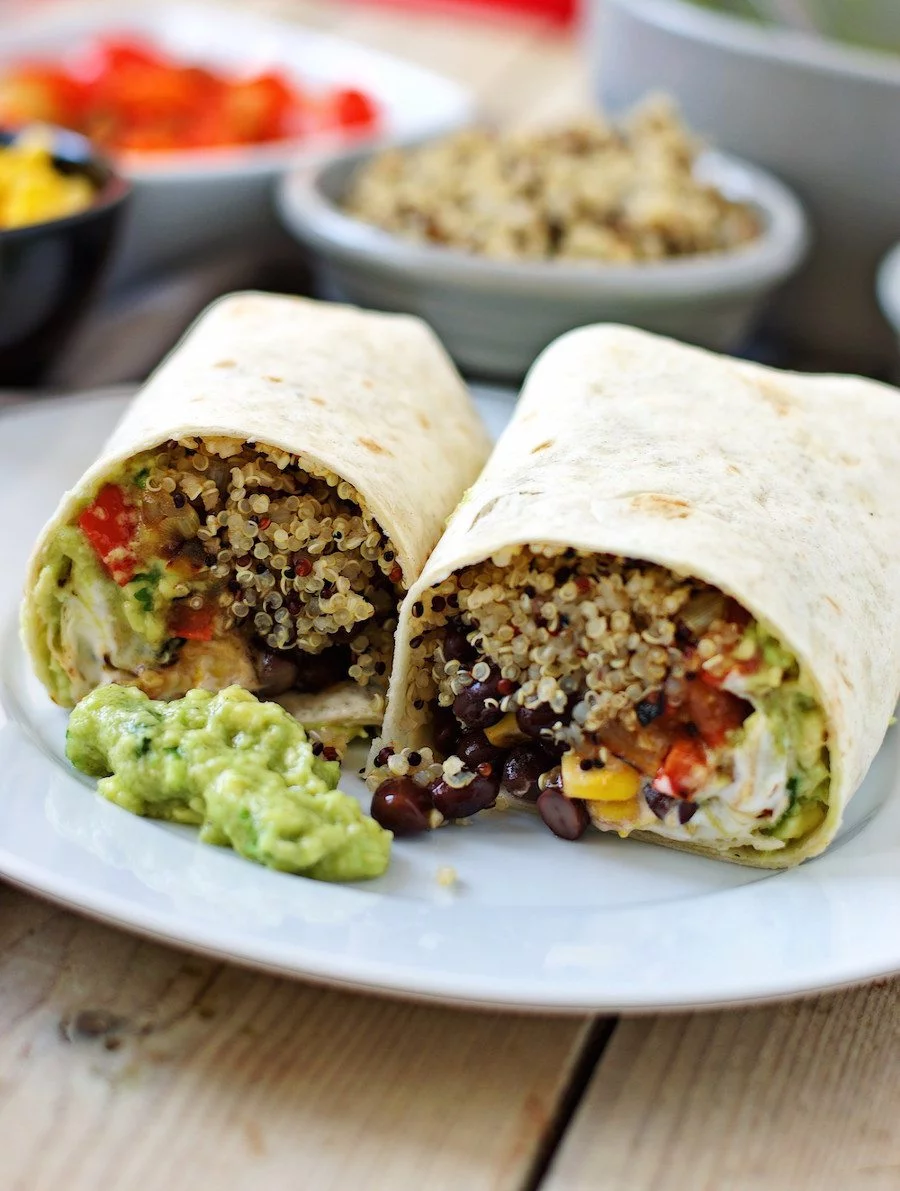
(547,82)
(805,1097)
(129,1065)
(477,53)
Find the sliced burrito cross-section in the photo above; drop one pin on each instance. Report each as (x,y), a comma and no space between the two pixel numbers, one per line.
(264,503)
(670,606)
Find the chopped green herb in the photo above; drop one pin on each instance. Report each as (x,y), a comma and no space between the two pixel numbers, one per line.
(144,597)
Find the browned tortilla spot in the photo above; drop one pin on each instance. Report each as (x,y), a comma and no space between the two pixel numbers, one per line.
(374,447)
(224,364)
(317,400)
(834,604)
(542,446)
(663,506)
(423,421)
(775,398)
(276,380)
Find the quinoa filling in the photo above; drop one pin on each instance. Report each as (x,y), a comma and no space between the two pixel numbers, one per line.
(604,690)
(210,563)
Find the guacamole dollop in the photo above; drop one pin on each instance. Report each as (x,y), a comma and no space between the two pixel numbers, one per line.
(242,770)
(784,695)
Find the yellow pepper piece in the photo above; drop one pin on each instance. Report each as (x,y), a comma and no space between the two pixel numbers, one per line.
(615,782)
(615,812)
(505,732)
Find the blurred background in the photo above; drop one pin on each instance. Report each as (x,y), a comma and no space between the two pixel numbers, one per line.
(153,156)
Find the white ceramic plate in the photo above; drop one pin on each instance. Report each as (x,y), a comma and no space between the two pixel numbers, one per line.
(533,922)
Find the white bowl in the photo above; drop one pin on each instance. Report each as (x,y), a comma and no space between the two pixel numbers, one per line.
(888,288)
(824,116)
(495,317)
(190,204)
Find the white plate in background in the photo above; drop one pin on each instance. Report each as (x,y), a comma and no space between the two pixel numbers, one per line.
(188,204)
(532,922)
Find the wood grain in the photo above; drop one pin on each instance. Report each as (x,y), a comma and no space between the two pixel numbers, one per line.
(803,1097)
(477,53)
(128,1065)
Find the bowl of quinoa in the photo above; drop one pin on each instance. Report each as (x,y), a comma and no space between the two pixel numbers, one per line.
(503,241)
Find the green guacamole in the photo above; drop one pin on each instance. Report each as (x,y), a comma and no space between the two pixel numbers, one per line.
(242,770)
(784,695)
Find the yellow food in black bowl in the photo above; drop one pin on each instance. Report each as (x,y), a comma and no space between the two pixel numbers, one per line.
(33,188)
(61,206)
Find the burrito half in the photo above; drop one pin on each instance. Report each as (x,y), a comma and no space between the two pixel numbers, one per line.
(266,500)
(670,607)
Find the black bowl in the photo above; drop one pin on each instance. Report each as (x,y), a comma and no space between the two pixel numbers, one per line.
(49,271)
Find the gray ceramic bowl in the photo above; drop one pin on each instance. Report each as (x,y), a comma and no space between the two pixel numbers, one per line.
(824,116)
(495,317)
(889,290)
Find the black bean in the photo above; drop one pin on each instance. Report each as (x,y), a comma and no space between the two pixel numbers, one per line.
(401,806)
(523,767)
(471,706)
(659,803)
(566,817)
(276,671)
(537,721)
(455,645)
(686,811)
(446,729)
(460,802)
(320,670)
(383,754)
(474,749)
(651,707)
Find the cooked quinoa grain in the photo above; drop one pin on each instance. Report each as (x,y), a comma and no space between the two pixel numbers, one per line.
(589,191)
(289,557)
(577,631)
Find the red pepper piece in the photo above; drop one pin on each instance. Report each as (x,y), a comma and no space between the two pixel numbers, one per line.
(715,712)
(109,525)
(684,769)
(194,624)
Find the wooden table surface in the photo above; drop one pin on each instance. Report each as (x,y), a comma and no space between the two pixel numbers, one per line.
(125,1065)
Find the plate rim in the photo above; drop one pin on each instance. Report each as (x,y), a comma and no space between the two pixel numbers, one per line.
(388,977)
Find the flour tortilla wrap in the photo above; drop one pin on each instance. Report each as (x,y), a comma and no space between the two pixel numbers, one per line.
(780,490)
(367,406)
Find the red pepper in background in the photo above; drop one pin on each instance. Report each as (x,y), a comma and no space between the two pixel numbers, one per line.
(109,525)
(353,109)
(194,624)
(128,95)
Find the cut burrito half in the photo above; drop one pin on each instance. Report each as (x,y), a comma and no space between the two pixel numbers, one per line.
(669,607)
(264,503)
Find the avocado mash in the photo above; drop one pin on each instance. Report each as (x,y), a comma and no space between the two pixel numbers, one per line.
(786,702)
(242,770)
